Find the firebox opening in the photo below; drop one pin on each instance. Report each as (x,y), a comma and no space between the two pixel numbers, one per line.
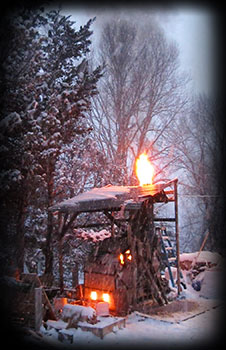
(93,295)
(100,296)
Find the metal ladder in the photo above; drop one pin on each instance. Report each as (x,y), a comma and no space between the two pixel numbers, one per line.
(169,255)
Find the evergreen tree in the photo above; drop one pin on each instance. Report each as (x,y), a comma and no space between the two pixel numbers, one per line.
(48,89)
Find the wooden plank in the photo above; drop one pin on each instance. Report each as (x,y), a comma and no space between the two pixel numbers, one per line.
(38,308)
(165,219)
(177,237)
(105,326)
(108,197)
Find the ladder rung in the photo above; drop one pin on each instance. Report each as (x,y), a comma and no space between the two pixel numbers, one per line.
(165,237)
(172,259)
(168,248)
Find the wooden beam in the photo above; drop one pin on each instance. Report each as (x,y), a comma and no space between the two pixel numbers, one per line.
(94,224)
(177,236)
(38,308)
(165,219)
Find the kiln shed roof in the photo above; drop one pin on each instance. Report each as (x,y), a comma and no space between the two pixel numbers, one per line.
(108,197)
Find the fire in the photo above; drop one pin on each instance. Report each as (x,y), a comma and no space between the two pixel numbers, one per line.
(106,297)
(127,255)
(144,170)
(93,295)
(121,258)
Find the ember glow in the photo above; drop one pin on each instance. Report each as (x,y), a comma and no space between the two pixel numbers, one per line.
(121,258)
(126,256)
(106,297)
(144,170)
(93,295)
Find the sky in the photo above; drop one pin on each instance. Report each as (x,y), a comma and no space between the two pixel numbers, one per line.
(193,30)
(190,27)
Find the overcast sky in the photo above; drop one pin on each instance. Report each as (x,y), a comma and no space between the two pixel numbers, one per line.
(193,30)
(191,27)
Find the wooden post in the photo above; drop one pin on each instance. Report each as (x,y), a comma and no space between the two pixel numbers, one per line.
(38,308)
(200,250)
(61,268)
(75,276)
(177,235)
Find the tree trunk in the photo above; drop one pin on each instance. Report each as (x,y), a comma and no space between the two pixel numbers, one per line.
(20,236)
(48,247)
(61,268)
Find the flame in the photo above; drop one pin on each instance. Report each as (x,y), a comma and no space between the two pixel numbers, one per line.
(106,297)
(144,170)
(121,258)
(128,255)
(93,295)
(124,256)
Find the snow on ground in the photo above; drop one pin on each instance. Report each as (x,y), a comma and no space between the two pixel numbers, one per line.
(142,331)
(146,331)
(166,329)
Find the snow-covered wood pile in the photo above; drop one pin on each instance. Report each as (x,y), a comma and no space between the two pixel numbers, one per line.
(205,258)
(85,318)
(198,262)
(75,313)
(204,271)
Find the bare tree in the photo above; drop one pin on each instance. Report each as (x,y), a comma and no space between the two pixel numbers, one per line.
(199,150)
(140,95)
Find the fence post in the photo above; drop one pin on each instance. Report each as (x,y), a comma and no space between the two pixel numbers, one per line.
(38,308)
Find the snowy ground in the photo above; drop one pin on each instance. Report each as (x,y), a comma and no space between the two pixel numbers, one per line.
(193,328)
(142,331)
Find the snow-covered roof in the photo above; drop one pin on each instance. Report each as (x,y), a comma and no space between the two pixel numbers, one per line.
(106,197)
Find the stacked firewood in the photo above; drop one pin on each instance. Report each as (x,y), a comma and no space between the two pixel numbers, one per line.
(137,279)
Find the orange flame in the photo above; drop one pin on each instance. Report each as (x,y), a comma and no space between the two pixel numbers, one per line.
(93,295)
(144,170)
(121,258)
(127,255)
(106,297)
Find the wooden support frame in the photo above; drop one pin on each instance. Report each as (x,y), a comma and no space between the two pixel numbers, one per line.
(173,192)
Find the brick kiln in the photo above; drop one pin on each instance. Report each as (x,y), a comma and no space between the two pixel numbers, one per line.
(125,266)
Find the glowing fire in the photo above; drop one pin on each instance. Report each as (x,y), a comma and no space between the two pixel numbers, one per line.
(124,256)
(93,295)
(144,170)
(106,297)
(121,258)
(128,255)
